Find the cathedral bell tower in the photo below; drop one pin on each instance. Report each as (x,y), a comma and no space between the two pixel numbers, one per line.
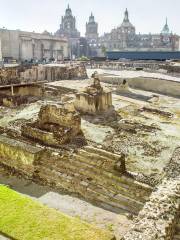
(92,28)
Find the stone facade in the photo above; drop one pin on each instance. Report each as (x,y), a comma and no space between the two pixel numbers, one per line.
(21,46)
(18,155)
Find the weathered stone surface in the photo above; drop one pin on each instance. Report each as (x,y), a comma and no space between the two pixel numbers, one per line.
(57,124)
(159,216)
(54,72)
(18,155)
(90,173)
(61,115)
(9,76)
(49,72)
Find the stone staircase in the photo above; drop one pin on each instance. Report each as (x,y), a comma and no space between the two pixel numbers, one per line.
(91,174)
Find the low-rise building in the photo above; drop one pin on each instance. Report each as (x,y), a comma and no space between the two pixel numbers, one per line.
(27,46)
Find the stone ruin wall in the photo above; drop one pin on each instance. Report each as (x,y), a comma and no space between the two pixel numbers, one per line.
(154,66)
(161,86)
(56,125)
(54,73)
(18,155)
(114,65)
(158,218)
(9,76)
(20,74)
(93,104)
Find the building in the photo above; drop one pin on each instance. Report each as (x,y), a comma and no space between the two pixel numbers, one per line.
(92,30)
(28,46)
(121,37)
(92,37)
(68,29)
(124,37)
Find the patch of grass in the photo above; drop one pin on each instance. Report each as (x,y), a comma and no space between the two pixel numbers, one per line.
(25,219)
(110,227)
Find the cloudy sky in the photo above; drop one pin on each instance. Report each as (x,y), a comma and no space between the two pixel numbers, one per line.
(39,15)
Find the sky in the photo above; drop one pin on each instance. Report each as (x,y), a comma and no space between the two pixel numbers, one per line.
(39,15)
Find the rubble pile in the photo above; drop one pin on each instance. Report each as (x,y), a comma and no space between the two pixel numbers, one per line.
(159,217)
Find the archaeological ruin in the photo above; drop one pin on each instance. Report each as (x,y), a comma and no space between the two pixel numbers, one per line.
(103,138)
(94,99)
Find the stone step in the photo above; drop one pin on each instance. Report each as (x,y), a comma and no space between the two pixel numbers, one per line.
(102,152)
(84,174)
(113,182)
(102,177)
(99,162)
(95,158)
(93,192)
(114,174)
(98,176)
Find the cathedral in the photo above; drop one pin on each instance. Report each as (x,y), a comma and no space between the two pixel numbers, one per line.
(122,38)
(92,29)
(68,25)
(68,29)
